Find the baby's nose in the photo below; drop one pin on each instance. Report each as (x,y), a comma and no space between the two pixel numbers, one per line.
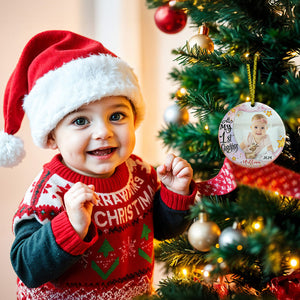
(102,131)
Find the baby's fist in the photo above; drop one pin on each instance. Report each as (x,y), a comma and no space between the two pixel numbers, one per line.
(176,174)
(79,202)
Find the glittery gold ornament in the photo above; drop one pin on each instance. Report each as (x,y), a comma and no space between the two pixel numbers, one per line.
(203,234)
(181,93)
(201,40)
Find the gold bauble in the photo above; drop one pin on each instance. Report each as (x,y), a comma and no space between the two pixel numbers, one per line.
(181,93)
(203,234)
(201,40)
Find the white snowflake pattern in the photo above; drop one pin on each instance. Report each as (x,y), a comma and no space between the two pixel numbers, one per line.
(107,263)
(132,164)
(106,231)
(83,260)
(127,291)
(128,249)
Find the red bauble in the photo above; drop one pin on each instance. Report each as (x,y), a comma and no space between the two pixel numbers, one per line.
(170,19)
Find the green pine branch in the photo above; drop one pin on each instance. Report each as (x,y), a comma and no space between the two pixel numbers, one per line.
(265,252)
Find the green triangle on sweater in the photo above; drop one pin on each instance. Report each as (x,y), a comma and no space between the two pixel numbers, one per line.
(106,248)
(144,255)
(145,232)
(101,273)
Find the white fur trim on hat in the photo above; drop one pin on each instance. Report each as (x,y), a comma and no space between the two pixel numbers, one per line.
(78,82)
(11,150)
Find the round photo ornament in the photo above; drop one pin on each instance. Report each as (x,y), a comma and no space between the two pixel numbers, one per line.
(252,134)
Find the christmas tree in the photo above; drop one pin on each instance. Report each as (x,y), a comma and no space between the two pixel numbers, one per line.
(244,238)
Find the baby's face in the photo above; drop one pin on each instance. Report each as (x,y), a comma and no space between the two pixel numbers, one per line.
(97,137)
(259,128)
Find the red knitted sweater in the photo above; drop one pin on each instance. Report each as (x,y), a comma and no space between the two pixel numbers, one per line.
(117,260)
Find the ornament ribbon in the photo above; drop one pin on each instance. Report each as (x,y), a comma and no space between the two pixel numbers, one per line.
(252,81)
(223,183)
(286,287)
(270,178)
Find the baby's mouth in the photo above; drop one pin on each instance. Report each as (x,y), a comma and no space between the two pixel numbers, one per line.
(102,152)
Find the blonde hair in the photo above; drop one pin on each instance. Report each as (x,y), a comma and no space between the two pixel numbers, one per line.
(261,117)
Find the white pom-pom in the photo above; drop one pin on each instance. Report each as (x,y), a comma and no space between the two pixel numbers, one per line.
(11,150)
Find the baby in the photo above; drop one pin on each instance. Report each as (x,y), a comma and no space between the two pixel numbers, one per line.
(86,225)
(257,139)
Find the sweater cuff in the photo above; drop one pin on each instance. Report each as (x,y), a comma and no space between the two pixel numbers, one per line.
(177,201)
(68,239)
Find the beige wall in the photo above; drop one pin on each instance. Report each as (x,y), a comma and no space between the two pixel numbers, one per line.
(128,30)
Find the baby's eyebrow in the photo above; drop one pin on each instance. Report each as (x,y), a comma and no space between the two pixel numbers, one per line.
(84,109)
(79,110)
(121,105)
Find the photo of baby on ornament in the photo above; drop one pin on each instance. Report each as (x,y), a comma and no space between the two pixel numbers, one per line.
(259,134)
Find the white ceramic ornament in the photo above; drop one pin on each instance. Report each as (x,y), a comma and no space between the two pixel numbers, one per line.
(252,135)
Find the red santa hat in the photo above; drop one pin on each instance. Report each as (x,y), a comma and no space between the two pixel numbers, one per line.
(58,72)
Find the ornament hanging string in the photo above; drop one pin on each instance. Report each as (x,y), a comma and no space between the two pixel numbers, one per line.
(252,81)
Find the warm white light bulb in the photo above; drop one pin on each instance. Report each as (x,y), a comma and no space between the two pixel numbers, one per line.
(294,262)
(206,274)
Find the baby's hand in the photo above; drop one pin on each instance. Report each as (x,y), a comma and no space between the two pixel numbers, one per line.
(176,174)
(79,202)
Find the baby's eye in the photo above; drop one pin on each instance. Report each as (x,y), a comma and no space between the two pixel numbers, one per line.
(117,116)
(263,128)
(81,121)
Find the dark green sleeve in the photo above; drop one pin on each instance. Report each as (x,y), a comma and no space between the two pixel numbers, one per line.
(170,212)
(167,222)
(35,255)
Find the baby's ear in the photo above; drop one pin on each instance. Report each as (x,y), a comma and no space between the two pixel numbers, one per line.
(51,143)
